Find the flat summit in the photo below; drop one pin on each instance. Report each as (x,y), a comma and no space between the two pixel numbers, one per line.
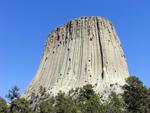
(83,51)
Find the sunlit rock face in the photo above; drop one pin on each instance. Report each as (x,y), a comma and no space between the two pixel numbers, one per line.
(83,51)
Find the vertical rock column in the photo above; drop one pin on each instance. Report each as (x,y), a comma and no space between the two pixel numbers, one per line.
(86,50)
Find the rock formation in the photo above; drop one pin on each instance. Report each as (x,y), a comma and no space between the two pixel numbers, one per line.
(84,50)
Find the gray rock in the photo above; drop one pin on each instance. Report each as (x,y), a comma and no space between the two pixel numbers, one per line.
(86,50)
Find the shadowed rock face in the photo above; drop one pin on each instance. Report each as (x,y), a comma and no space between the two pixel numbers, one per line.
(85,50)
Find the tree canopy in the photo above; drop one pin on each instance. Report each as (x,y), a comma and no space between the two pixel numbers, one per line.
(134,99)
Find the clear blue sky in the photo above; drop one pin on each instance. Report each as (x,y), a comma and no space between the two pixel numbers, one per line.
(25,24)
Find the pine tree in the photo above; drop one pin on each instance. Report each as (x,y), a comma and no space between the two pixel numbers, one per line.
(20,105)
(135,95)
(65,104)
(88,101)
(13,93)
(114,104)
(3,106)
(46,107)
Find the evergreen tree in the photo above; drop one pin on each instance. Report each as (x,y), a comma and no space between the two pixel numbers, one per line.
(20,105)
(65,104)
(114,104)
(88,101)
(135,95)
(3,106)
(46,107)
(13,93)
(148,102)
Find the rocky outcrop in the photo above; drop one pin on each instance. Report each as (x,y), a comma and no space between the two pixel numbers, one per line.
(85,50)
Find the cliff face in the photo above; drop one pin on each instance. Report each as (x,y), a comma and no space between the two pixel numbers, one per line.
(85,50)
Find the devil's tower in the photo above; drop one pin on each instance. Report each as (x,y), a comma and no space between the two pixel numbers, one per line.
(84,50)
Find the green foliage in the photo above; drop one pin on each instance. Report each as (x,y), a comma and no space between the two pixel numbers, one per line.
(86,92)
(148,101)
(135,96)
(46,107)
(135,99)
(65,104)
(13,93)
(3,106)
(20,105)
(42,102)
(88,101)
(81,100)
(115,104)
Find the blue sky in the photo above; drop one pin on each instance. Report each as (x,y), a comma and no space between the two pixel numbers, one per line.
(25,25)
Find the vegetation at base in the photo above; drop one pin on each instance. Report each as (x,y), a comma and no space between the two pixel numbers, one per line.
(19,105)
(135,99)
(3,106)
(136,96)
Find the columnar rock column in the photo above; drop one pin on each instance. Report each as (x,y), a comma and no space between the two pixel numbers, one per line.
(86,50)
